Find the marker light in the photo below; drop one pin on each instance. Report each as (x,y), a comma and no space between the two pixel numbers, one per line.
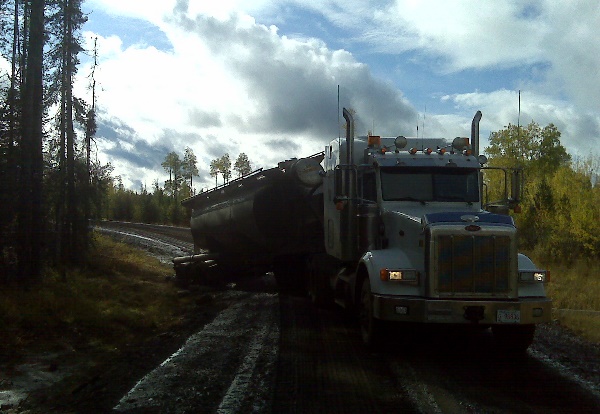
(413,151)
(374,140)
(399,275)
(400,142)
(460,143)
(428,151)
(466,152)
(535,276)
(441,151)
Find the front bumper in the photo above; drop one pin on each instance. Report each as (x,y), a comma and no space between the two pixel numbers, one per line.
(485,312)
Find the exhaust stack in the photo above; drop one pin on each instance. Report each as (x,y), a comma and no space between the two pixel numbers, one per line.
(349,136)
(475,133)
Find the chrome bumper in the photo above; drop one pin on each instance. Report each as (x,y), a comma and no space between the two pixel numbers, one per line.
(485,312)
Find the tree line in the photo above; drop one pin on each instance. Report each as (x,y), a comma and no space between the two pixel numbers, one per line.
(162,204)
(560,218)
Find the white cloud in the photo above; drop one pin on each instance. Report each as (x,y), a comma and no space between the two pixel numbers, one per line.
(230,84)
(579,129)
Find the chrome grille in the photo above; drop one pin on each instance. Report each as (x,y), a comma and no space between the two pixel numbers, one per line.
(472,264)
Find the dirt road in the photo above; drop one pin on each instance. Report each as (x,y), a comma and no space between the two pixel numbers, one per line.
(266,352)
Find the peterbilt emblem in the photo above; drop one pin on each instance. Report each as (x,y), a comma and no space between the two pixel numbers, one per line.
(469,218)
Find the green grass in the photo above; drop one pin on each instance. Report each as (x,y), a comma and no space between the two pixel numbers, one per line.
(121,295)
(575,292)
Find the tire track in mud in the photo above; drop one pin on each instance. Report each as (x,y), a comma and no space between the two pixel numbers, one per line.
(227,367)
(323,367)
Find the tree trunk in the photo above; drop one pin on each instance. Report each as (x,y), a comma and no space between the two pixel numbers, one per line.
(72,216)
(31,227)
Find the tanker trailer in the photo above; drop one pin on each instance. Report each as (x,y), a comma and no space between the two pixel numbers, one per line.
(268,220)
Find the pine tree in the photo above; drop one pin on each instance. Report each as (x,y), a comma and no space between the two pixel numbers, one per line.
(31,223)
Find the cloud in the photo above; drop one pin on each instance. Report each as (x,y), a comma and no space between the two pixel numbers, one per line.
(292,84)
(120,141)
(579,129)
(229,83)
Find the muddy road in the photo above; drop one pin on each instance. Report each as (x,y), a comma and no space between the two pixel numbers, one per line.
(266,352)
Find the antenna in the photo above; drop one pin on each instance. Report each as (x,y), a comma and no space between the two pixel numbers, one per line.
(424,114)
(338,113)
(519,117)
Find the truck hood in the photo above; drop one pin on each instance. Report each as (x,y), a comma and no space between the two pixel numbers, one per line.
(467,217)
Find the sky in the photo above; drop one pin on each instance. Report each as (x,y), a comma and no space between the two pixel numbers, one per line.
(261,77)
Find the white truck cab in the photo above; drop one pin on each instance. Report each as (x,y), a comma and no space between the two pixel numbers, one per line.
(405,219)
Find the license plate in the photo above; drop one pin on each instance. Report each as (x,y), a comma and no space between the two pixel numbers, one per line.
(508,316)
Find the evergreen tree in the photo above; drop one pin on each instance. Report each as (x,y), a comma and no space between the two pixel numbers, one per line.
(31,222)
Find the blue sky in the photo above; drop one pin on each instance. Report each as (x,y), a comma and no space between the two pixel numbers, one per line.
(261,77)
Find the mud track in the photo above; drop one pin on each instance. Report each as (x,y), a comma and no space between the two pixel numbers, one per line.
(308,360)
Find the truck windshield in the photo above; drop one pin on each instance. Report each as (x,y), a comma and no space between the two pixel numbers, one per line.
(429,184)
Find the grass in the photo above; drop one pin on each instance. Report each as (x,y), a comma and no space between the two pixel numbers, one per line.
(575,292)
(121,295)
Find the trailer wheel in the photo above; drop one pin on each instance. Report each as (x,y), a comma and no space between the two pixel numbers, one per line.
(370,327)
(513,338)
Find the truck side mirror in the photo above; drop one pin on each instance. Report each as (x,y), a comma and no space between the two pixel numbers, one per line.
(516,186)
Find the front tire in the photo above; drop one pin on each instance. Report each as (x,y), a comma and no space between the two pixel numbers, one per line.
(370,327)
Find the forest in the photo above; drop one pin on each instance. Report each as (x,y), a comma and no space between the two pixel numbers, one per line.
(52,184)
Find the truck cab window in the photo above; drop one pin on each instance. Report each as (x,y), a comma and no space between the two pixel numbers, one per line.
(429,184)
(368,187)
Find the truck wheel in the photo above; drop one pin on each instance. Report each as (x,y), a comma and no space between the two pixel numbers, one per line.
(370,327)
(513,338)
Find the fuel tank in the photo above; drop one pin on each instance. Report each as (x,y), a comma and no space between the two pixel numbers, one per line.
(267,213)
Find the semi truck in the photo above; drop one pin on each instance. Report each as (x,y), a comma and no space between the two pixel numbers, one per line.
(394,229)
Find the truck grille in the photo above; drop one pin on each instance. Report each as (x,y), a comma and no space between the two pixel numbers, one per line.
(472,264)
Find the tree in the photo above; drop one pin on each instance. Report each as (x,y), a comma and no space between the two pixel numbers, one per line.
(536,149)
(189,167)
(173,165)
(225,167)
(221,165)
(64,23)
(242,165)
(214,170)
(31,222)
(560,219)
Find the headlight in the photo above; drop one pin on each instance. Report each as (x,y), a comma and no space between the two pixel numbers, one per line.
(534,276)
(399,275)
